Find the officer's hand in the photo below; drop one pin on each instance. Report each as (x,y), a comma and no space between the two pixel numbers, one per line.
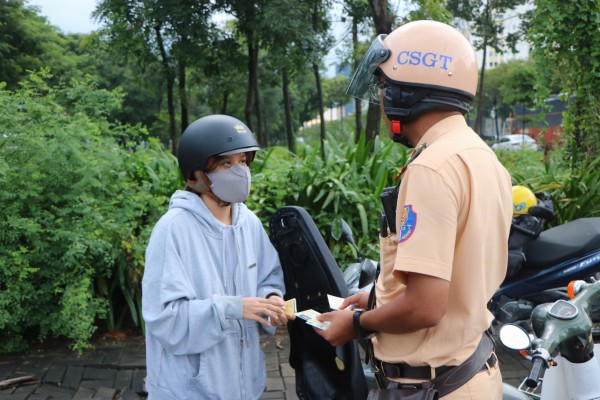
(340,330)
(254,308)
(358,300)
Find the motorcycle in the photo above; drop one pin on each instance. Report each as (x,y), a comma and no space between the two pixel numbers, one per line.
(551,258)
(564,358)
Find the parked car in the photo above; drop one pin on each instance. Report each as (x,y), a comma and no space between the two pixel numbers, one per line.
(515,142)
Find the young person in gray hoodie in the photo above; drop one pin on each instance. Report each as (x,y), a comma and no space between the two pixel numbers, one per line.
(211,276)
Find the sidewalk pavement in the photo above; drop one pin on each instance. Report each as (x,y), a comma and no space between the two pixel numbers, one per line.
(115,369)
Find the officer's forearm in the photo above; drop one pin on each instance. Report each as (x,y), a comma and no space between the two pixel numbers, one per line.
(421,306)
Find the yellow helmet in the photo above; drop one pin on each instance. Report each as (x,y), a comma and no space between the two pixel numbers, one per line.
(523,198)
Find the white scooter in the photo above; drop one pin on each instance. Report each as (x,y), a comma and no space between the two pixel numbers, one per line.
(565,362)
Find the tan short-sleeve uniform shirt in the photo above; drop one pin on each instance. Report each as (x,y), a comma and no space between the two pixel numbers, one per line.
(453,217)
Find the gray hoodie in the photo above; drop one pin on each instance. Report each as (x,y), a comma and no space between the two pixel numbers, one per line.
(197,344)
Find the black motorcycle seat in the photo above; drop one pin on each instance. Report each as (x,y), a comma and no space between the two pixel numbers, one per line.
(311,273)
(564,242)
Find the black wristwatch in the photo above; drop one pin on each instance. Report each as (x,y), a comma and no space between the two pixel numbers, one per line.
(362,333)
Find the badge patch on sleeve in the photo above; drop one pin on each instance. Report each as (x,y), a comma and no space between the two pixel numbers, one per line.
(408,223)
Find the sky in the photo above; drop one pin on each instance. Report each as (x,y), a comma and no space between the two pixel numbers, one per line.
(71,16)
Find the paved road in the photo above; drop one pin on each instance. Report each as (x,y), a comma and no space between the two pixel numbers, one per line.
(115,369)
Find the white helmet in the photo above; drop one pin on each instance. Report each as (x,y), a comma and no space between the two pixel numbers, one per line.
(425,65)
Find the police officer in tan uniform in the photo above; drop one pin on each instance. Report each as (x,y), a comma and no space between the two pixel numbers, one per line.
(449,254)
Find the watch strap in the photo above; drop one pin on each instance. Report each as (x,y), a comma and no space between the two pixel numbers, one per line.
(360,331)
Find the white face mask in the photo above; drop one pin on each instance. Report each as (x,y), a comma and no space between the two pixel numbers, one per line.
(231,185)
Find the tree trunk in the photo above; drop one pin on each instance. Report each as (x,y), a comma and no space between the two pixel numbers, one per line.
(479,115)
(373,122)
(358,118)
(357,102)
(321,107)
(315,26)
(288,110)
(183,100)
(383,24)
(497,130)
(250,97)
(260,128)
(578,135)
(170,76)
(224,103)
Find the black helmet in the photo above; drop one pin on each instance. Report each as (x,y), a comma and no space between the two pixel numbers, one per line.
(210,136)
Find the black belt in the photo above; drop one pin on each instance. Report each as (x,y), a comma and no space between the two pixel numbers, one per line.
(394,371)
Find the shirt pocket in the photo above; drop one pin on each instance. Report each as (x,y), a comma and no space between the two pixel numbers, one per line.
(388,246)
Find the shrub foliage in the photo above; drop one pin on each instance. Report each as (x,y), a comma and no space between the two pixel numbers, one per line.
(76,207)
(346,184)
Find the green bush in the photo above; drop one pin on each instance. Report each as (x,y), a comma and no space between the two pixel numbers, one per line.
(574,186)
(76,211)
(347,184)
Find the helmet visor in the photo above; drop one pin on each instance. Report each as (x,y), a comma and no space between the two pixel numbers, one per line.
(242,150)
(365,83)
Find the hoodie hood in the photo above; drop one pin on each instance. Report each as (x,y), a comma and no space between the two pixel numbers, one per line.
(194,204)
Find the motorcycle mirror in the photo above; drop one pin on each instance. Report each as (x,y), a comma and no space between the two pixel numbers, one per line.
(514,337)
(341,231)
(336,229)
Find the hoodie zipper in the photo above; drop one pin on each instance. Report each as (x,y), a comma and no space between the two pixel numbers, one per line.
(242,376)
(238,284)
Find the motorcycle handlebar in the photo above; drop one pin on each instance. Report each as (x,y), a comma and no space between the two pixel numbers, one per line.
(555,324)
(537,370)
